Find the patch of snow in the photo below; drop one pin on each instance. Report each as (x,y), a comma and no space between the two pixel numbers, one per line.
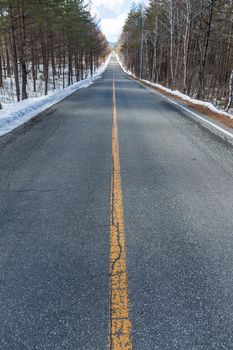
(177,93)
(125,70)
(15,114)
(37,88)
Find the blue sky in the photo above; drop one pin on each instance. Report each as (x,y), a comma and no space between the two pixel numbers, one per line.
(112,15)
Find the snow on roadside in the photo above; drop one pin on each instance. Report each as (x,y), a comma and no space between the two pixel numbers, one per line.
(16,114)
(177,93)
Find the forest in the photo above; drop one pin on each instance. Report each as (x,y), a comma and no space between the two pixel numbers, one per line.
(46,45)
(185,45)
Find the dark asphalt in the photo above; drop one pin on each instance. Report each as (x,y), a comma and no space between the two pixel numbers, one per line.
(55,180)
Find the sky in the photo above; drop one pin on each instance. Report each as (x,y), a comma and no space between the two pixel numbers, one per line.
(112,15)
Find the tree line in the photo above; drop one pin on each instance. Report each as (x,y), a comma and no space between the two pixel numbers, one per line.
(47,40)
(183,44)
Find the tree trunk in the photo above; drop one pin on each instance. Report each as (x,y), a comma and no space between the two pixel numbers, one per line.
(81,62)
(22,51)
(14,51)
(154,62)
(171,42)
(70,70)
(52,60)
(230,97)
(7,58)
(186,45)
(202,72)
(34,75)
(1,75)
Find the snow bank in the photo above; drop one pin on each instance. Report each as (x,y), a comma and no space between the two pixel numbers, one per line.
(125,70)
(15,114)
(178,93)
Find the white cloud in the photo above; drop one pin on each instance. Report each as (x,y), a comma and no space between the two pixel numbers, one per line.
(112,15)
(112,27)
(113,5)
(94,11)
(144,2)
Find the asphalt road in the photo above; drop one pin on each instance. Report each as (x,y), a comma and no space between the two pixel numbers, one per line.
(55,184)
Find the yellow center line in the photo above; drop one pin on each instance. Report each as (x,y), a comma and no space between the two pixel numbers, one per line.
(120,324)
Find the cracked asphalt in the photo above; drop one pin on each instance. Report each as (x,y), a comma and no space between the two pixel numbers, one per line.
(55,184)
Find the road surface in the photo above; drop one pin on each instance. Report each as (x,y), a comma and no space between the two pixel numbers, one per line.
(62,179)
